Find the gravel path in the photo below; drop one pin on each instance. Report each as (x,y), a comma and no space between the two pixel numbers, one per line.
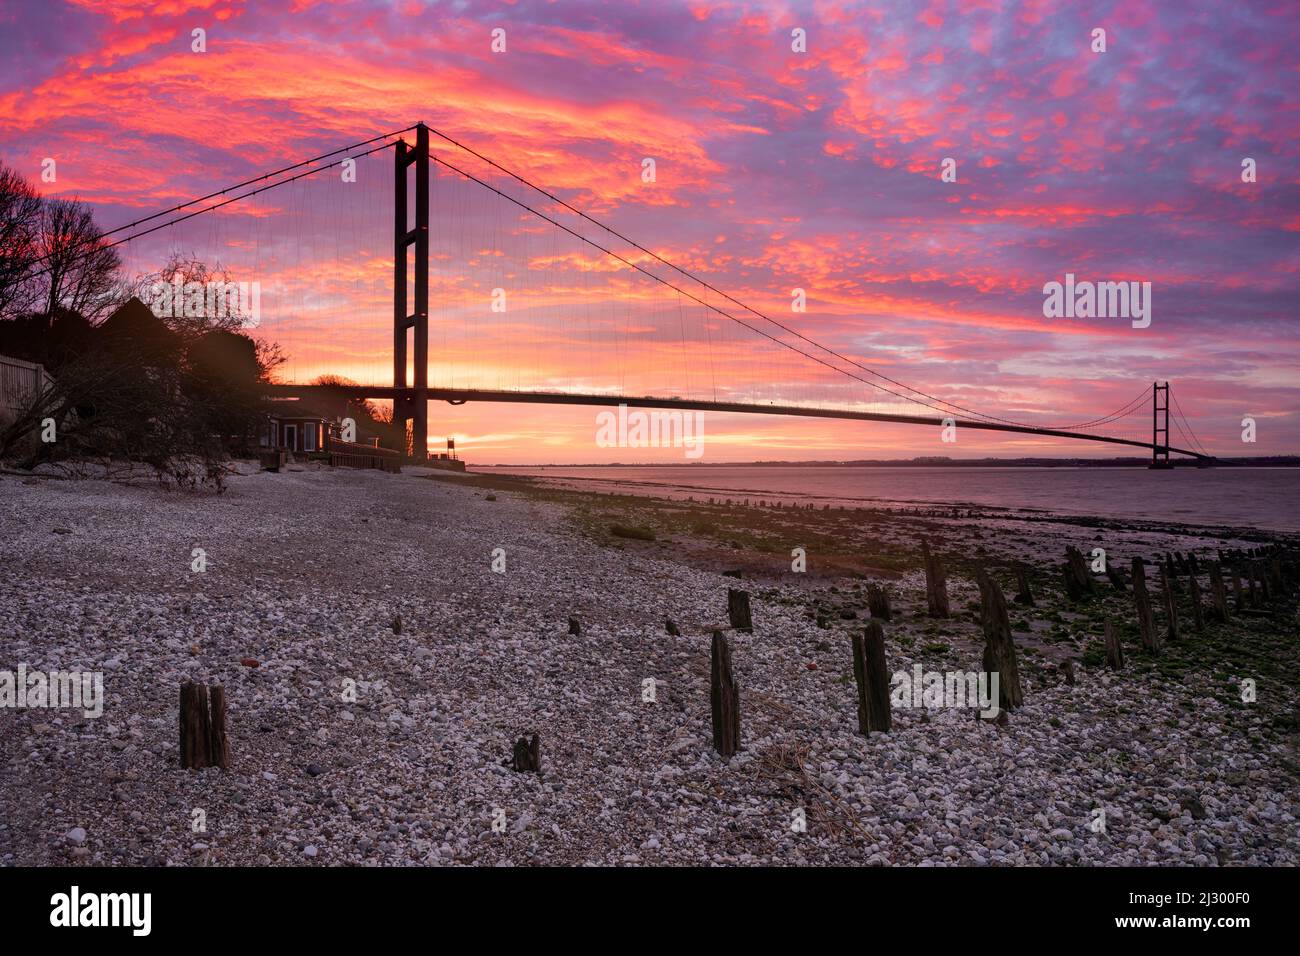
(306,572)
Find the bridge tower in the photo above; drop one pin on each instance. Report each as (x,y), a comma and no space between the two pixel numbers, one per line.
(411,408)
(1160,426)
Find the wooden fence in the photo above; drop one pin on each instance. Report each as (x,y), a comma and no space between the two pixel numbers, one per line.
(21,383)
(346,454)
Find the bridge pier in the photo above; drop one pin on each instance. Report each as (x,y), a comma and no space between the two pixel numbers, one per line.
(412,408)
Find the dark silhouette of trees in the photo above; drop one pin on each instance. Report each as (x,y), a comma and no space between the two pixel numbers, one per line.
(20,216)
(133,381)
(223,385)
(143,392)
(182,271)
(52,255)
(77,270)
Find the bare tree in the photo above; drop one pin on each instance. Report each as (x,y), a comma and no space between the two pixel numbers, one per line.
(78,270)
(227,315)
(179,272)
(20,216)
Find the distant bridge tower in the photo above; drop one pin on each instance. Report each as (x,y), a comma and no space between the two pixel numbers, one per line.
(411,409)
(1160,426)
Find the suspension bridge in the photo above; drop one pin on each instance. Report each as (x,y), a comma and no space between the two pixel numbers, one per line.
(537,301)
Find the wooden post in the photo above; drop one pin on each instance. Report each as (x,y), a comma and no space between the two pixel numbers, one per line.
(878,602)
(1142,602)
(1116,576)
(203,741)
(196,730)
(1067,671)
(936,582)
(872,679)
(1171,603)
(575,627)
(1218,595)
(671,627)
(1023,594)
(724,698)
(1198,617)
(218,744)
(1078,580)
(1114,650)
(738,610)
(999,648)
(528,755)
(1072,589)
(1170,574)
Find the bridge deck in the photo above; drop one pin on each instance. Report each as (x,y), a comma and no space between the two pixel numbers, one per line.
(462,395)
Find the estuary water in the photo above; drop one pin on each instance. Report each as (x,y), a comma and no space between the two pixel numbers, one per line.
(1263,498)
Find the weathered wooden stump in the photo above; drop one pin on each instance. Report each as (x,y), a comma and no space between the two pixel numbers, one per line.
(1218,595)
(575,627)
(1238,598)
(203,741)
(527,756)
(1067,671)
(218,743)
(195,725)
(878,602)
(1078,581)
(671,627)
(738,610)
(1142,603)
(1116,577)
(936,582)
(1171,604)
(397,624)
(1198,615)
(724,698)
(1171,574)
(872,679)
(1073,590)
(1023,594)
(999,648)
(1114,650)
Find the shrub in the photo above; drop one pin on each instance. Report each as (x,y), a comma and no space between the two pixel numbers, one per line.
(631,531)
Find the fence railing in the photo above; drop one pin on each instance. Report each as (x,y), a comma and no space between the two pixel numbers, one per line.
(346,454)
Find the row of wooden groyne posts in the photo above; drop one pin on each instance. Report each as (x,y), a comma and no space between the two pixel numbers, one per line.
(1270,574)
(1258,578)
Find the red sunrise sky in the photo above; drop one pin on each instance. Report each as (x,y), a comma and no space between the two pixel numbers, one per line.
(775,170)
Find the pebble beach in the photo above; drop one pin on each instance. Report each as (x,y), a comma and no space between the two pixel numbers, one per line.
(384,640)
